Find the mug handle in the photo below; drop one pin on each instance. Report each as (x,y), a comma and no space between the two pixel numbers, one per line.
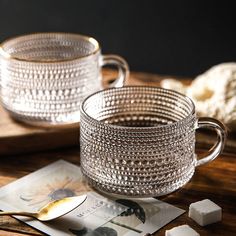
(221,138)
(122,66)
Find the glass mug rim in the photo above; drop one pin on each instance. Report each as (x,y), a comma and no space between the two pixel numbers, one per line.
(89,39)
(151,128)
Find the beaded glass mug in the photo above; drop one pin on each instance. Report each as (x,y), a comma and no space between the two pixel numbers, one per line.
(45,76)
(140,141)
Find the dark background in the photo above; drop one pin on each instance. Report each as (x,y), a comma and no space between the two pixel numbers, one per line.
(166,37)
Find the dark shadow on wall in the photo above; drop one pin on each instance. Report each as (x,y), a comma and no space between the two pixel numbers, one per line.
(167,37)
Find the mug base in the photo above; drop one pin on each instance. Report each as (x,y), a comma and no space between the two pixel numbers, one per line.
(47,123)
(128,192)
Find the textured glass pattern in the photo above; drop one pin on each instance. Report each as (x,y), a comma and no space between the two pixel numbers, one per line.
(45,76)
(138,141)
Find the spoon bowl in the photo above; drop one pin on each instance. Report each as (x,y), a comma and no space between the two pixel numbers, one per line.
(53,209)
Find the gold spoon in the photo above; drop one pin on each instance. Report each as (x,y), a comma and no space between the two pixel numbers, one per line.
(53,209)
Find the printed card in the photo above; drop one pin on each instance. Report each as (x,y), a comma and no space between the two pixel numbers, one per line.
(97,216)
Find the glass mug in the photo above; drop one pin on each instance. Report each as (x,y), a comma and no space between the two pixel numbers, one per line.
(140,141)
(45,76)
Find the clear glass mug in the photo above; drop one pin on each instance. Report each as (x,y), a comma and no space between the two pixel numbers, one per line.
(45,76)
(140,141)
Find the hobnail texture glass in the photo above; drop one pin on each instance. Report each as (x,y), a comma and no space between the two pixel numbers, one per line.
(140,141)
(45,76)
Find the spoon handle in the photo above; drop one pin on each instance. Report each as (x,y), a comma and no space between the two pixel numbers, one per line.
(22,213)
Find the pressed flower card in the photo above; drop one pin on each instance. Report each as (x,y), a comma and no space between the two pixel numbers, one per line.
(97,216)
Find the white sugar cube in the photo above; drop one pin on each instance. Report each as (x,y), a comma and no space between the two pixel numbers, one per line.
(183,230)
(205,212)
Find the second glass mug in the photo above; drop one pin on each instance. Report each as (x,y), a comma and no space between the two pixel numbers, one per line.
(140,141)
(45,76)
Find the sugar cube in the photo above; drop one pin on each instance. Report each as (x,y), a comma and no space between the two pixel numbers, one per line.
(205,212)
(183,230)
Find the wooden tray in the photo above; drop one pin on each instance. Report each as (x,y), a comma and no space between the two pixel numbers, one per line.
(18,138)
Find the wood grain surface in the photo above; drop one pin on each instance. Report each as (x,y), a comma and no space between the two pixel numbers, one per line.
(25,149)
(16,138)
(215,181)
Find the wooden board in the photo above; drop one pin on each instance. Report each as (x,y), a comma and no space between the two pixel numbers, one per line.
(17,138)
